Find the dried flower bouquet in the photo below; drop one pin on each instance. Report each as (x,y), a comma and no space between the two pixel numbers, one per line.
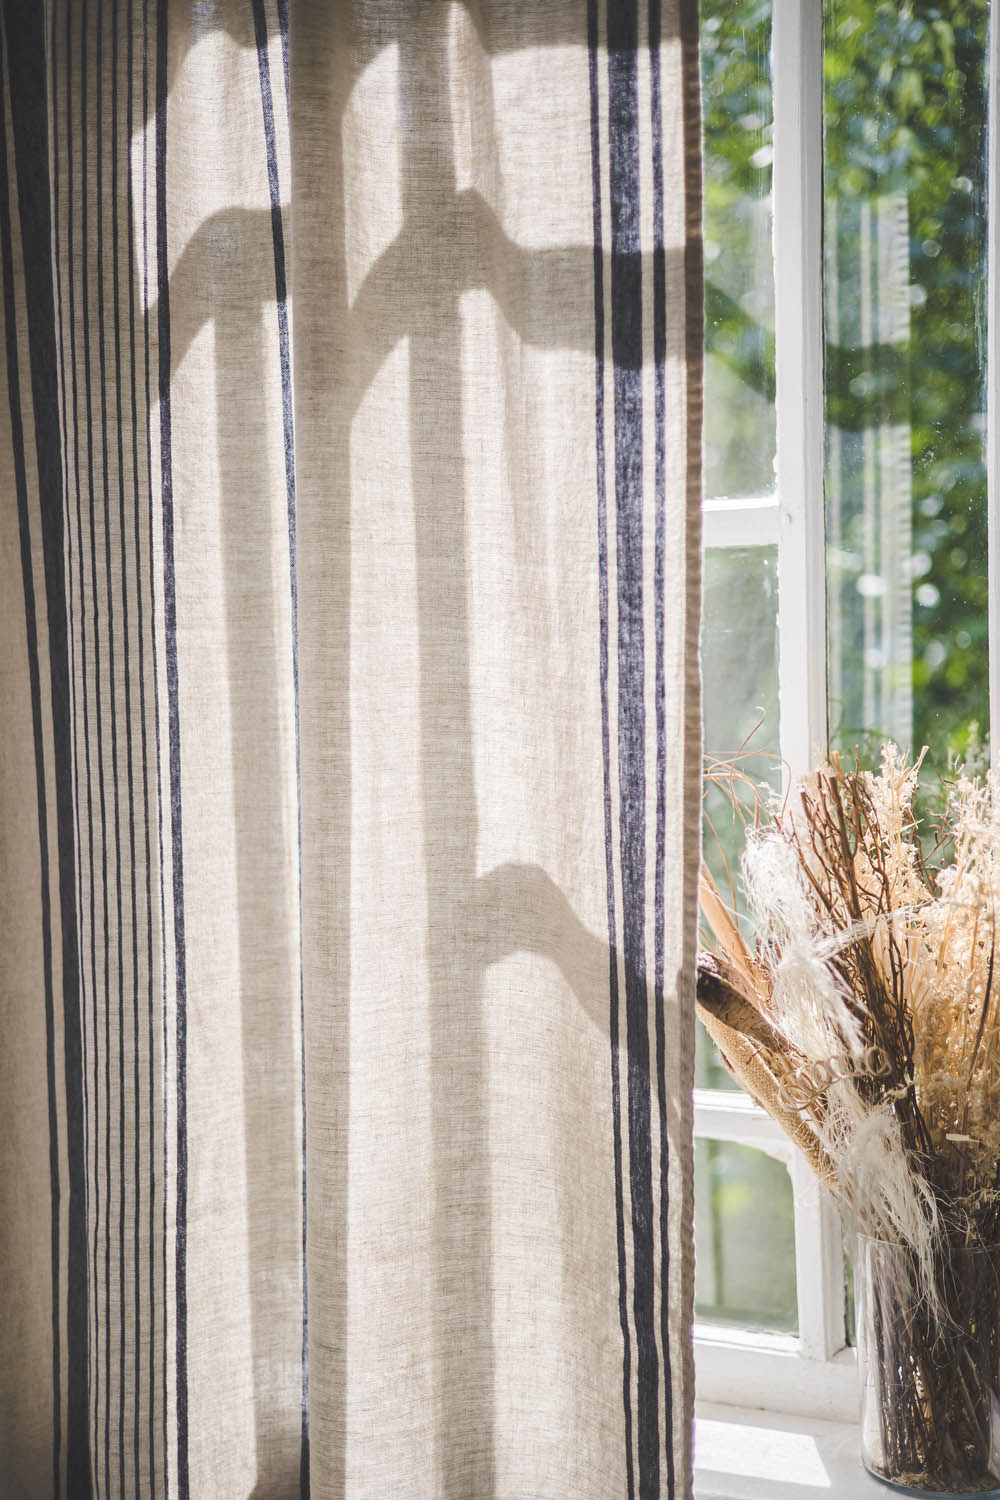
(865,1020)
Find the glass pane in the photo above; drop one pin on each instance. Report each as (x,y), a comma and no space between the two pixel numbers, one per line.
(744,1238)
(740,666)
(739,274)
(905,259)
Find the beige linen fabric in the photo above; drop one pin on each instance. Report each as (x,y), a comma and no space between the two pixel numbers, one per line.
(349,761)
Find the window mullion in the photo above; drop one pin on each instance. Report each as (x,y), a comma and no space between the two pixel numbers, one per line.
(798,271)
(819,1265)
(740,523)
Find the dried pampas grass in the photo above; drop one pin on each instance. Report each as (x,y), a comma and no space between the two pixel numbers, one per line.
(874,974)
(864,1018)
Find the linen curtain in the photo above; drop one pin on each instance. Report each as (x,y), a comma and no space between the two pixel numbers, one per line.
(349,751)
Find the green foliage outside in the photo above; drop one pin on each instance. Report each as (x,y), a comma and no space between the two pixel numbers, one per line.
(905,103)
(739,287)
(905,108)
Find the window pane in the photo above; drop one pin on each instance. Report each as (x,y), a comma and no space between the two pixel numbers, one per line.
(740,666)
(905,259)
(739,275)
(744,1238)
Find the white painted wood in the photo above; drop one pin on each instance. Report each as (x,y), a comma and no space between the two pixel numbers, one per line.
(725,1115)
(740,523)
(810,1374)
(993,380)
(819,1265)
(797,71)
(743,1367)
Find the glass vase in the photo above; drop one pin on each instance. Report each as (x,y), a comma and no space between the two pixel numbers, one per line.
(929,1369)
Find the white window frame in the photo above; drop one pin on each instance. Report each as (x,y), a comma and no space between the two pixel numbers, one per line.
(813,1373)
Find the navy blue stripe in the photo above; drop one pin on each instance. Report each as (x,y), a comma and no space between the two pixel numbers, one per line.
(79,1465)
(627,354)
(593,40)
(68,543)
(108,591)
(88,607)
(89,595)
(163,1111)
(659,490)
(101,1325)
(87,919)
(74,1474)
(127,687)
(284,355)
(141,1448)
(174,740)
(67,528)
(28,82)
(91,1106)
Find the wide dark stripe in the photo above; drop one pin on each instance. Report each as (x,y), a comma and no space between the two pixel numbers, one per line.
(285,361)
(659,559)
(24,23)
(31,632)
(162,1030)
(593,42)
(174,741)
(627,355)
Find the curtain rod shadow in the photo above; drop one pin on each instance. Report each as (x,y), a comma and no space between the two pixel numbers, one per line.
(544,295)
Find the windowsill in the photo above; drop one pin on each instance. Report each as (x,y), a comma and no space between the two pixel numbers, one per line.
(731,1363)
(759,1455)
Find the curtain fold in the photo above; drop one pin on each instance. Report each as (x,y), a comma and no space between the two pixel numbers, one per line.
(349,748)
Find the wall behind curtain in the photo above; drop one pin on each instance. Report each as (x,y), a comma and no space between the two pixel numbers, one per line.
(349,761)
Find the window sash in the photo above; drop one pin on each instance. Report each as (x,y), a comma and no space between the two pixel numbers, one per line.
(811,1372)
